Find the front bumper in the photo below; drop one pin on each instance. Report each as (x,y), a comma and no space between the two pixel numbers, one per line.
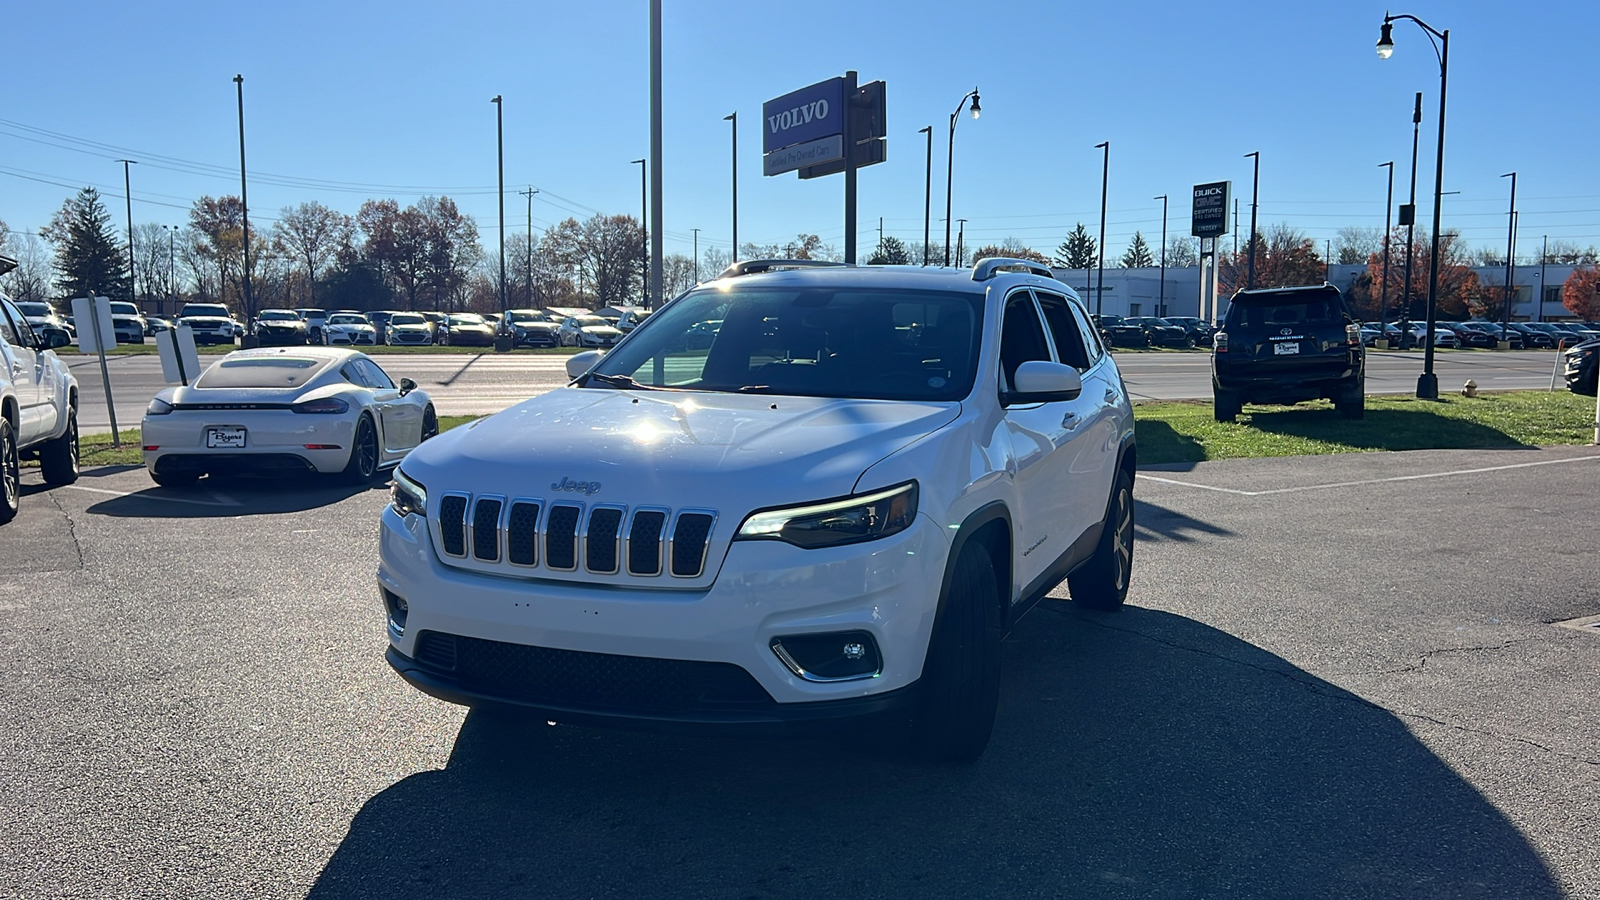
(763,590)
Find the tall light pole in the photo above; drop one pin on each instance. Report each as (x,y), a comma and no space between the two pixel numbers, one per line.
(127,193)
(961,236)
(244,204)
(172,268)
(529,194)
(1100,252)
(1544,257)
(1428,382)
(696,254)
(1410,222)
(653,299)
(1511,234)
(1255,190)
(644,251)
(734,118)
(1388,206)
(1162,305)
(500,146)
(927,194)
(949,162)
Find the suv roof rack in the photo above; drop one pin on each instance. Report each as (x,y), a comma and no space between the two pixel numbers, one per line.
(753,266)
(986,268)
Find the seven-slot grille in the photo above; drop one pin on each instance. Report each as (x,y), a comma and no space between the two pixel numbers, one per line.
(514,534)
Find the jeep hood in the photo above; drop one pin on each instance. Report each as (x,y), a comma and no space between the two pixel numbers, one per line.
(729,452)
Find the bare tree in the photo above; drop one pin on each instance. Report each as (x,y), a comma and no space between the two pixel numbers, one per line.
(1182,252)
(30,280)
(313,234)
(1356,246)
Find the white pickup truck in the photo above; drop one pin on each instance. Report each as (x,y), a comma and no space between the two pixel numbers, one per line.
(38,408)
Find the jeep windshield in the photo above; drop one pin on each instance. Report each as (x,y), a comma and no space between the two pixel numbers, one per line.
(876,344)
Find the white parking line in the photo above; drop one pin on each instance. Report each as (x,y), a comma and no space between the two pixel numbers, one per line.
(143,496)
(1340,484)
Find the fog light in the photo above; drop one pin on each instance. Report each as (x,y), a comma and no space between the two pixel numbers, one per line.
(834,656)
(397,607)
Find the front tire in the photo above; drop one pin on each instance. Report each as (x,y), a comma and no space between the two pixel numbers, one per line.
(363,465)
(10,473)
(58,458)
(960,685)
(1102,582)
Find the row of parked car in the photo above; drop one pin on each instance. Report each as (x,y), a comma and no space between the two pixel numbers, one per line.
(1189,331)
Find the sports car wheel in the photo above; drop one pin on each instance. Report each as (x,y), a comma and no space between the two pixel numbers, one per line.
(363,465)
(10,473)
(430,423)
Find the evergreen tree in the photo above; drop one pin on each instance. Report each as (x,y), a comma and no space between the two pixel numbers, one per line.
(1138,254)
(89,257)
(891,251)
(1077,251)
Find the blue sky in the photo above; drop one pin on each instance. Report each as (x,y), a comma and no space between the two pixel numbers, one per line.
(342,96)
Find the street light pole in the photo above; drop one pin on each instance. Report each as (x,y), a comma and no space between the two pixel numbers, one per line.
(127,193)
(1162,306)
(961,237)
(1255,190)
(244,204)
(1100,252)
(1544,257)
(500,147)
(172,267)
(696,254)
(1388,205)
(1411,222)
(927,194)
(949,163)
(529,194)
(653,298)
(734,118)
(644,249)
(1428,382)
(1511,232)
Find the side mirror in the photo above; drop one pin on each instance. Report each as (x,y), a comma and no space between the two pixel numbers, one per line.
(1038,381)
(579,363)
(407,386)
(57,339)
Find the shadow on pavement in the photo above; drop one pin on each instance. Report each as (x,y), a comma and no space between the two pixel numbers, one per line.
(1383,429)
(1160,441)
(225,498)
(1153,522)
(1137,754)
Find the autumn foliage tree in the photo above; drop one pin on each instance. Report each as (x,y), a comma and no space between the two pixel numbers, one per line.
(1579,293)
(1284,258)
(1461,294)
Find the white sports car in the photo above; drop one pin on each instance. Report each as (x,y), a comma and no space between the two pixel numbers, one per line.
(297,410)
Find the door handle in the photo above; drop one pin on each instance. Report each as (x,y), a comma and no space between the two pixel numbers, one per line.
(1069,421)
(1112,396)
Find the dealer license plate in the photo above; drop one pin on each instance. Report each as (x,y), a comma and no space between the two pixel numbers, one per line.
(1287,348)
(224,438)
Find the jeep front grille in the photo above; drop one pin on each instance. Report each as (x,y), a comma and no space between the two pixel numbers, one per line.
(524,536)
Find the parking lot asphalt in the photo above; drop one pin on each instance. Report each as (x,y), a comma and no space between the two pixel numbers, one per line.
(1337,676)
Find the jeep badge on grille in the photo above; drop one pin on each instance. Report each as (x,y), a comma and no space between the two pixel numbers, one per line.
(576,487)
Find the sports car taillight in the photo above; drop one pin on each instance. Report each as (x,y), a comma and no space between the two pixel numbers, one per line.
(325,406)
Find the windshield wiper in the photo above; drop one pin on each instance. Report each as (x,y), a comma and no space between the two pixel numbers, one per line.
(625,382)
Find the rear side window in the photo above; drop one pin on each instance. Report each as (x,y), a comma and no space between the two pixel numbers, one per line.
(1063,331)
(1021,338)
(261,372)
(1274,313)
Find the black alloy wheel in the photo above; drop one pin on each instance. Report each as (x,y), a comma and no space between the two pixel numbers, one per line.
(10,473)
(430,423)
(363,465)
(58,458)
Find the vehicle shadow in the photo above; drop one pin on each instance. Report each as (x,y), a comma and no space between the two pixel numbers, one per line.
(232,497)
(1153,522)
(1158,440)
(1383,429)
(1137,754)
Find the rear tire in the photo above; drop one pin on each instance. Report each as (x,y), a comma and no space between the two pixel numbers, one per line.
(1225,405)
(1102,582)
(58,458)
(363,465)
(10,473)
(430,424)
(1352,402)
(960,684)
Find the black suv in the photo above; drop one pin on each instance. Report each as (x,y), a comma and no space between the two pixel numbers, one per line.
(1288,345)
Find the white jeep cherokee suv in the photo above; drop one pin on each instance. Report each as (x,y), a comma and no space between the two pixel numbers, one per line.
(835,510)
(38,408)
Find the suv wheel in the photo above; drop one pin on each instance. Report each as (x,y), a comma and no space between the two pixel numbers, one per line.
(1226,405)
(960,684)
(10,473)
(58,459)
(1102,582)
(1352,401)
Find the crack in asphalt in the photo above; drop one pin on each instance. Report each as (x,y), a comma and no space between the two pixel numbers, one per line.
(1345,695)
(72,526)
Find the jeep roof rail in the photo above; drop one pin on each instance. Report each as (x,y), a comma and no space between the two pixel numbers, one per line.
(986,268)
(752,266)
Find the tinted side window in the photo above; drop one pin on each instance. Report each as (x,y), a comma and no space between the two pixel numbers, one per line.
(1022,338)
(376,378)
(1091,335)
(1063,331)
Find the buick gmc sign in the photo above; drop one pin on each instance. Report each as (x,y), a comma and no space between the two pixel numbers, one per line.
(1209,218)
(805,115)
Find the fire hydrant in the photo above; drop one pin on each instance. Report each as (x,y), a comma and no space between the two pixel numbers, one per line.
(1470,389)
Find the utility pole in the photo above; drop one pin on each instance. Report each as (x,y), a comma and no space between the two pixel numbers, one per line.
(1255,191)
(880,233)
(696,254)
(655,155)
(127,192)
(529,194)
(734,118)
(644,238)
(927,194)
(1511,234)
(244,203)
(1544,257)
(1388,206)
(1162,306)
(1105,175)
(961,250)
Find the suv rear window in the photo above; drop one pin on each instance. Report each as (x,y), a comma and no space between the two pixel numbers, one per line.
(1276,312)
(261,372)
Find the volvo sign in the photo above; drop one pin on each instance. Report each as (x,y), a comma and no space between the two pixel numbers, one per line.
(1209,218)
(814,117)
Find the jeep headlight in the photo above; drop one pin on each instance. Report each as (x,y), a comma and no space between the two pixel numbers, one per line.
(831,523)
(408,497)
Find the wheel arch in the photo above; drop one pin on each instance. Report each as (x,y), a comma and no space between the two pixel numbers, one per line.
(990,527)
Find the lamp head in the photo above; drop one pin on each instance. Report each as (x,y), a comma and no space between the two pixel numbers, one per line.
(1386,41)
(975,108)
(733,116)
(496,99)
